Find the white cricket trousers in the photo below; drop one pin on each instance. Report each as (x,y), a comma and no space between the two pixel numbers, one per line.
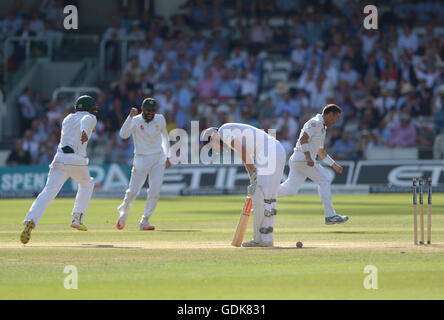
(264,199)
(152,166)
(57,176)
(299,171)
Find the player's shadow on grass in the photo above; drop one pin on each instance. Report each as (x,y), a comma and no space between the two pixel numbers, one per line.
(179,230)
(90,246)
(367,204)
(354,232)
(103,246)
(290,248)
(351,232)
(341,203)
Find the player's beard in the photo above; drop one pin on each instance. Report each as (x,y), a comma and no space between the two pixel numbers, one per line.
(146,115)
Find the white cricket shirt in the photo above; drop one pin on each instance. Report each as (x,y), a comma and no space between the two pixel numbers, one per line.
(72,127)
(149,137)
(258,142)
(316,130)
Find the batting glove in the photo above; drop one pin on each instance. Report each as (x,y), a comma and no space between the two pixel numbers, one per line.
(253,177)
(251,190)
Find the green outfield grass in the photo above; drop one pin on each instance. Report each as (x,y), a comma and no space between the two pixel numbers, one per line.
(189,255)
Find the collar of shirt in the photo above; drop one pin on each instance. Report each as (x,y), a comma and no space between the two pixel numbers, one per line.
(143,121)
(320,118)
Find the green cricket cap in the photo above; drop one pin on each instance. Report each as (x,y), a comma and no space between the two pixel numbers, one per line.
(149,104)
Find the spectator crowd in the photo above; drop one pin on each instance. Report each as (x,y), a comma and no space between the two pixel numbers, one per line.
(44,20)
(208,65)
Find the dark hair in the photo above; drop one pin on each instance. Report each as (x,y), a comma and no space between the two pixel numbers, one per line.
(331,108)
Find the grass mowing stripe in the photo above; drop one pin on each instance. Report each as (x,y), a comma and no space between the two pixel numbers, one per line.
(131,264)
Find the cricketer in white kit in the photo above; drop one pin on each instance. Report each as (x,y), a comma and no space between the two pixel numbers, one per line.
(151,148)
(302,161)
(264,159)
(70,161)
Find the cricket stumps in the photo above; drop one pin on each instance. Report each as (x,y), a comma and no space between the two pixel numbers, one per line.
(418,185)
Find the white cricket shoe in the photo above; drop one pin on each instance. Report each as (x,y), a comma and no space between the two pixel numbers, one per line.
(336,219)
(25,236)
(121,222)
(77,221)
(145,225)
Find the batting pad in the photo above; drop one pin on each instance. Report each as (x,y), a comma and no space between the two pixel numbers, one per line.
(258,213)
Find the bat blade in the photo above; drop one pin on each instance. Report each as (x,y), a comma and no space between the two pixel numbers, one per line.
(243,223)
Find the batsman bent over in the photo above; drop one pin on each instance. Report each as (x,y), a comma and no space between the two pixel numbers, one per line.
(264,159)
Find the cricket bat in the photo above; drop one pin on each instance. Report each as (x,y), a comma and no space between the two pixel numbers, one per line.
(243,223)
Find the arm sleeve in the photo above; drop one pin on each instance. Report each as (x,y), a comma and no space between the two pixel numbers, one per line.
(88,123)
(311,128)
(165,140)
(127,128)
(328,160)
(226,138)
